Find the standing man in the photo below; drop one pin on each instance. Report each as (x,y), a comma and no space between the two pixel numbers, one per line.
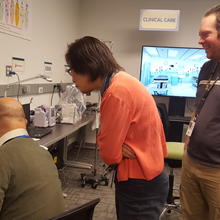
(200,184)
(129,123)
(29,185)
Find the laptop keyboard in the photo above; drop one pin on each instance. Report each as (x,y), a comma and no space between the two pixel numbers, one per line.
(37,132)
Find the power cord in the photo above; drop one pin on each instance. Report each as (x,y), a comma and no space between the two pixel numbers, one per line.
(19,85)
(19,82)
(59,88)
(51,100)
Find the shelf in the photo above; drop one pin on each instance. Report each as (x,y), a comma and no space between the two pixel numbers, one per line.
(178,118)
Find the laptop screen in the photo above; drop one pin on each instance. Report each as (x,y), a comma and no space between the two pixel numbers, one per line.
(26,108)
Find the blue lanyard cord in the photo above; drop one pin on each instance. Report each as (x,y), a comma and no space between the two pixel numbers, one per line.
(208,88)
(21,136)
(107,82)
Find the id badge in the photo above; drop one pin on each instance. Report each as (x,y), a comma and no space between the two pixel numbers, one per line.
(190,128)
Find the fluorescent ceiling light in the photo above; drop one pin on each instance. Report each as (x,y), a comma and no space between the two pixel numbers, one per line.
(195,57)
(172,53)
(152,51)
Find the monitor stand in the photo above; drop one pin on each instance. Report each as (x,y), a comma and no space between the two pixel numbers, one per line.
(177,106)
(176,117)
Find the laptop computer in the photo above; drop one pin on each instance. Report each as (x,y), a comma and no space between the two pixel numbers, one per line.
(34,132)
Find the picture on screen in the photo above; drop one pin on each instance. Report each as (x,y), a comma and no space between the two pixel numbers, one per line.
(171,71)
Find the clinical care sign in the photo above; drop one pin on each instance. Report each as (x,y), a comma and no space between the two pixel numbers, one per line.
(159,20)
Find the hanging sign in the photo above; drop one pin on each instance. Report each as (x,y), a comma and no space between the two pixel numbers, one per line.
(159,20)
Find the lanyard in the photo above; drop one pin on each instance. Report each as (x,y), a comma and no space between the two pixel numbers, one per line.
(208,87)
(107,82)
(21,136)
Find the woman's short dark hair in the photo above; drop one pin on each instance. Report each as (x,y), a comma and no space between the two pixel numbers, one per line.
(92,57)
(216,11)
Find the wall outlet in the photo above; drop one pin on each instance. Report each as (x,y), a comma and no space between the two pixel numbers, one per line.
(28,88)
(40,90)
(25,90)
(8,69)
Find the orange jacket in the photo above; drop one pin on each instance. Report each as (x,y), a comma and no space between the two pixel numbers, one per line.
(129,116)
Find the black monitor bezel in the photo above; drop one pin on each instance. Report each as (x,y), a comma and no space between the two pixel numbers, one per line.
(190,97)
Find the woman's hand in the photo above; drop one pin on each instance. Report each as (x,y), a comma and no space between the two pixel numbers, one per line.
(127,152)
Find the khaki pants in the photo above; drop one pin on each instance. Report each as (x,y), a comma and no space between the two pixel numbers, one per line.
(199,191)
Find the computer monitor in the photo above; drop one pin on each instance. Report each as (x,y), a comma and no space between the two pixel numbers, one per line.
(26,108)
(171,71)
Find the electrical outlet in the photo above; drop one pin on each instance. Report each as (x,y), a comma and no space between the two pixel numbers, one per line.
(28,88)
(8,69)
(25,90)
(40,90)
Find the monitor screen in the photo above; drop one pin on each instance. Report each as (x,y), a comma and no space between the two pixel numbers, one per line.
(171,71)
(26,108)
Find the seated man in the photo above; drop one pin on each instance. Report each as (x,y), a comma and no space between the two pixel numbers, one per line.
(29,184)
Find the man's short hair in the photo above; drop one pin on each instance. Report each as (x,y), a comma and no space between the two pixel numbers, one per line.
(216,11)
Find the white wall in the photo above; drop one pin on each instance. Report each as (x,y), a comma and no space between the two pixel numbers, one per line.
(58,22)
(118,20)
(54,24)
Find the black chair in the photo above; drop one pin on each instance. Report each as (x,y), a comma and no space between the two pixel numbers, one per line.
(166,126)
(174,160)
(162,109)
(83,212)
